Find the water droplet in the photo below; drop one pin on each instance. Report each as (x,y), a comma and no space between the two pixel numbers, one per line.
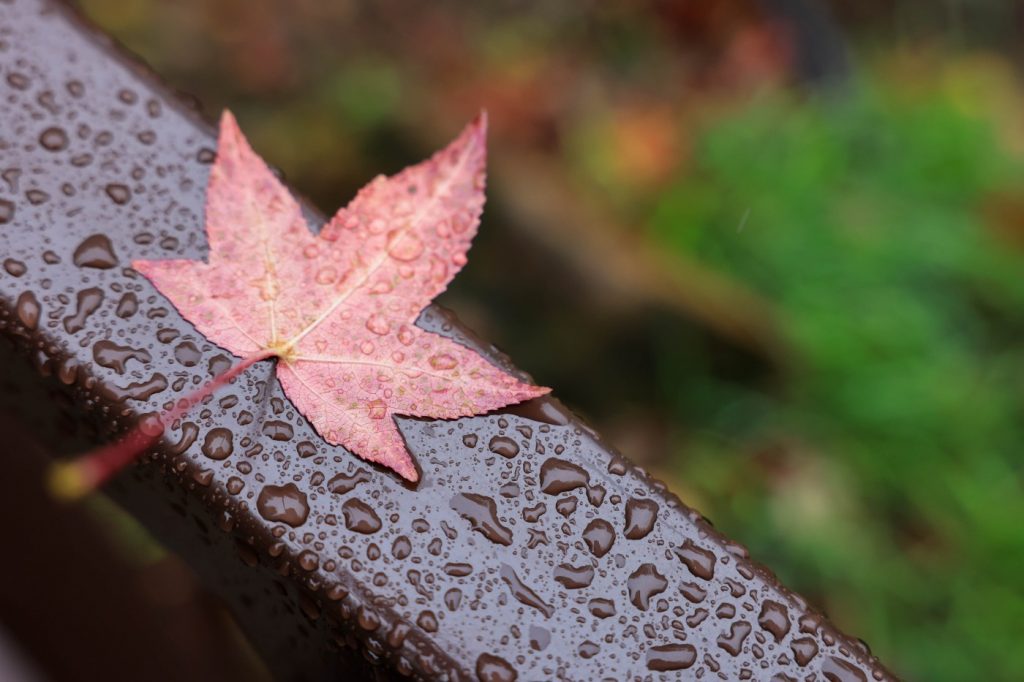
(539,638)
(641,515)
(733,641)
(458,570)
(490,668)
(87,302)
(559,476)
(442,361)
(405,247)
(378,324)
(187,354)
(219,443)
(522,593)
(14,268)
(700,561)
(566,506)
(427,621)
(360,517)
(453,599)
(406,335)
(113,356)
(482,514)
(6,211)
(284,503)
(278,430)
(470,440)
(309,561)
(401,548)
(644,583)
(344,483)
(504,446)
(377,409)
(601,608)
(118,193)
(668,657)
(54,139)
(837,670)
(127,306)
(95,251)
(588,649)
(774,618)
(599,535)
(804,650)
(28,309)
(574,577)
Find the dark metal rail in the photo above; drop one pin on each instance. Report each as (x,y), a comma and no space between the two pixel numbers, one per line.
(529,549)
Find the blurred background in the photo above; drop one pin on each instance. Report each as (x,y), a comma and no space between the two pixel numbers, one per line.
(772,249)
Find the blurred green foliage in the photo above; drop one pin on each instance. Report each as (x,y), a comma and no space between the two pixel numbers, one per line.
(883,473)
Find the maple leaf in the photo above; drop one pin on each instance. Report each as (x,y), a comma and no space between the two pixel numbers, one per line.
(338,309)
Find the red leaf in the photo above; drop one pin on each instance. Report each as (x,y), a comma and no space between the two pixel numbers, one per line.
(338,309)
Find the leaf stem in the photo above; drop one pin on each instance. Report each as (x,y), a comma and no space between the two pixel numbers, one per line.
(72,480)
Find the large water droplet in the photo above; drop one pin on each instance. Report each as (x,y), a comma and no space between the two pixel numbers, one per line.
(641,514)
(95,251)
(482,514)
(644,583)
(522,593)
(53,139)
(360,517)
(668,657)
(284,503)
(219,443)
